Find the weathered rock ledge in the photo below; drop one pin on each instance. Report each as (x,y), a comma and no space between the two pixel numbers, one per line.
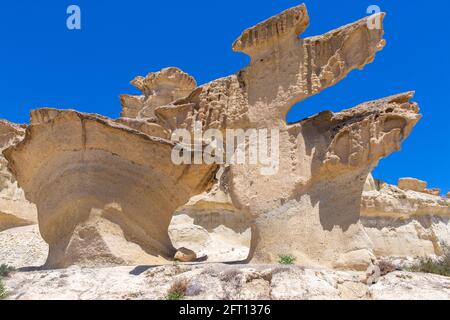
(217,281)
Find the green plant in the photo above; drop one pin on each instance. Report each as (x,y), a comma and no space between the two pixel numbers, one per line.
(5,270)
(440,266)
(178,290)
(286,259)
(3,293)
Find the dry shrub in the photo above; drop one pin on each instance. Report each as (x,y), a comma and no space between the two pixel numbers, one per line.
(178,290)
(386,267)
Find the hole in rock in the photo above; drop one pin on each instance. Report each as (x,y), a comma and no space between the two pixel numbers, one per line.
(312,106)
(214,234)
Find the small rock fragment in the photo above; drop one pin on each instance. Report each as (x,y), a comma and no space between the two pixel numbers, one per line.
(185,255)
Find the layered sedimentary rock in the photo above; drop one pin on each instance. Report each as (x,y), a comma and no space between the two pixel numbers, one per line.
(315,196)
(412,184)
(23,247)
(15,210)
(313,200)
(210,225)
(94,179)
(405,223)
(105,193)
(222,282)
(158,89)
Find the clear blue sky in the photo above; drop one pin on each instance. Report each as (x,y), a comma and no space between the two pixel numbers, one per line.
(43,64)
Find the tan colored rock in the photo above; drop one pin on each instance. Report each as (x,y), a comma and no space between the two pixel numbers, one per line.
(149,126)
(373,184)
(311,209)
(211,226)
(283,71)
(433,192)
(412,184)
(359,260)
(392,202)
(373,274)
(405,223)
(370,184)
(321,213)
(185,255)
(23,247)
(78,167)
(411,286)
(448,195)
(15,210)
(158,88)
(221,282)
(215,235)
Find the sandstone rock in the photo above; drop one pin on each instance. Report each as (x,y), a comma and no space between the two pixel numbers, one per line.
(149,126)
(239,282)
(411,286)
(412,184)
(78,167)
(405,223)
(158,88)
(323,210)
(15,210)
(373,274)
(314,198)
(68,165)
(359,260)
(215,235)
(433,192)
(185,255)
(448,195)
(370,184)
(373,184)
(210,225)
(392,202)
(23,247)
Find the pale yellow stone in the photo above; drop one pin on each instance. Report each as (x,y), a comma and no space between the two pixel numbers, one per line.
(412,184)
(185,255)
(15,210)
(80,168)
(406,224)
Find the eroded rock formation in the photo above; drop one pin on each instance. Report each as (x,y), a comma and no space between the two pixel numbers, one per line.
(211,225)
(97,182)
(315,196)
(15,210)
(405,223)
(105,193)
(158,89)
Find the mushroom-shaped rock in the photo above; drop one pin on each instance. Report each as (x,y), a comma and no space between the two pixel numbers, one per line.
(15,210)
(158,88)
(310,207)
(94,180)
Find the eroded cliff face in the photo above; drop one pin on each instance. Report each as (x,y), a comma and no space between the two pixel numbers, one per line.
(106,189)
(105,193)
(15,210)
(405,223)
